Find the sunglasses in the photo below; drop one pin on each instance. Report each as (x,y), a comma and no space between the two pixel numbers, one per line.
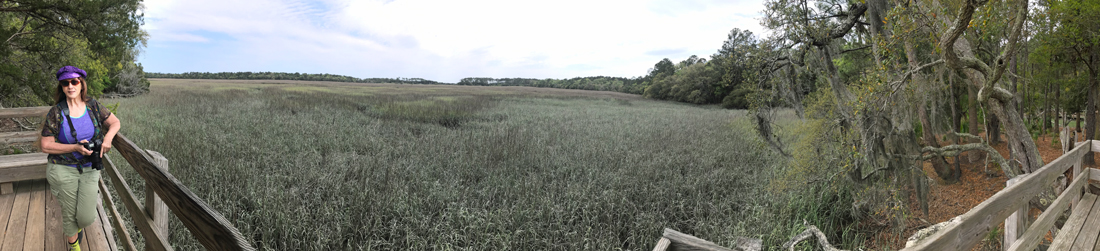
(65,83)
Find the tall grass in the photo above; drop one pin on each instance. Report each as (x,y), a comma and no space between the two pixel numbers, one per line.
(299,170)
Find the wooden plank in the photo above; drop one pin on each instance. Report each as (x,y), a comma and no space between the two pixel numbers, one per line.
(107,229)
(682,241)
(1094,174)
(17,223)
(122,233)
(6,188)
(153,204)
(1015,224)
(972,226)
(18,137)
(1095,145)
(7,202)
(1069,231)
(27,166)
(1039,229)
(55,239)
(34,236)
(208,226)
(1087,237)
(23,112)
(662,244)
(137,214)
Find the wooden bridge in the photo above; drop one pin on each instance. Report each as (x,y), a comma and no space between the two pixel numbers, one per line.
(1010,206)
(30,215)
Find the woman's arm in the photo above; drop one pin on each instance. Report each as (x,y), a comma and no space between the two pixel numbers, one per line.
(113,124)
(50,146)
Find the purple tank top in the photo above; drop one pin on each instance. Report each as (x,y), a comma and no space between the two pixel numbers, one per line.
(84,131)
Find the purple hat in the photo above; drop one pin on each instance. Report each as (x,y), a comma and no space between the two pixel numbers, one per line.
(69,71)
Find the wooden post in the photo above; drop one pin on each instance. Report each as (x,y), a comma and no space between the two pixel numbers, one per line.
(1015,224)
(6,188)
(154,206)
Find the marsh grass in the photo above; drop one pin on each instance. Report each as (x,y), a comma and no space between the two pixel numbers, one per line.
(438,170)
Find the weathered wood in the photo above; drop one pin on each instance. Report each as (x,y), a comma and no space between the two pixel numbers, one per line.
(208,226)
(1095,145)
(1016,223)
(682,242)
(17,223)
(1069,231)
(127,243)
(7,202)
(137,213)
(1086,239)
(662,244)
(1031,237)
(23,112)
(107,229)
(27,166)
(36,217)
(974,224)
(54,238)
(18,137)
(1094,174)
(154,206)
(6,188)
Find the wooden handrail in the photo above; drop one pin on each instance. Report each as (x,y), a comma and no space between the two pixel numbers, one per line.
(208,226)
(153,239)
(971,227)
(23,112)
(1030,238)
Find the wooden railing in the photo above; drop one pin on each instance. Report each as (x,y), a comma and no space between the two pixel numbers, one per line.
(1010,206)
(206,225)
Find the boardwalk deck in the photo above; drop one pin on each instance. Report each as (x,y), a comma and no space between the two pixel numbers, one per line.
(30,220)
(1080,233)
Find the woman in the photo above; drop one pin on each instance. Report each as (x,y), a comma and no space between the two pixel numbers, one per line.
(76,118)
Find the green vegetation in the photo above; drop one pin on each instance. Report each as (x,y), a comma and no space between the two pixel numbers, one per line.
(101,37)
(408,168)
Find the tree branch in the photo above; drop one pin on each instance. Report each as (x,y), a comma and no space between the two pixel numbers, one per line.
(854,12)
(811,231)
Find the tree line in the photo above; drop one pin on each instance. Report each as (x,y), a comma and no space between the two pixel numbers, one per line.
(102,37)
(287,76)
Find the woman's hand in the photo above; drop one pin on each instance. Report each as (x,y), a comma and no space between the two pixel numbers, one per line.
(80,148)
(106,147)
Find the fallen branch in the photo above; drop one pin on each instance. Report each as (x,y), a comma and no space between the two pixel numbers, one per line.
(811,231)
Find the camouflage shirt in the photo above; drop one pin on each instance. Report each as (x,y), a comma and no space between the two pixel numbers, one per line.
(54,121)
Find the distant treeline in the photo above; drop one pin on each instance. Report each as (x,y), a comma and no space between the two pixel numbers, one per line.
(598,83)
(720,80)
(287,76)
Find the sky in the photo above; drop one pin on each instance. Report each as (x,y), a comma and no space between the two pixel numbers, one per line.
(441,40)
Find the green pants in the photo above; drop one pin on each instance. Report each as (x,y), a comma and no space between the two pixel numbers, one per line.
(77,193)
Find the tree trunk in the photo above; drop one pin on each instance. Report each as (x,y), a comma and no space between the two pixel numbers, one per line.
(1090,111)
(946,172)
(972,113)
(994,129)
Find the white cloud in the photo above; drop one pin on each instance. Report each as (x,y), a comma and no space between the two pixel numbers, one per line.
(437,39)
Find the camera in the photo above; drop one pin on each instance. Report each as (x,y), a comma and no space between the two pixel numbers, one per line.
(95,145)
